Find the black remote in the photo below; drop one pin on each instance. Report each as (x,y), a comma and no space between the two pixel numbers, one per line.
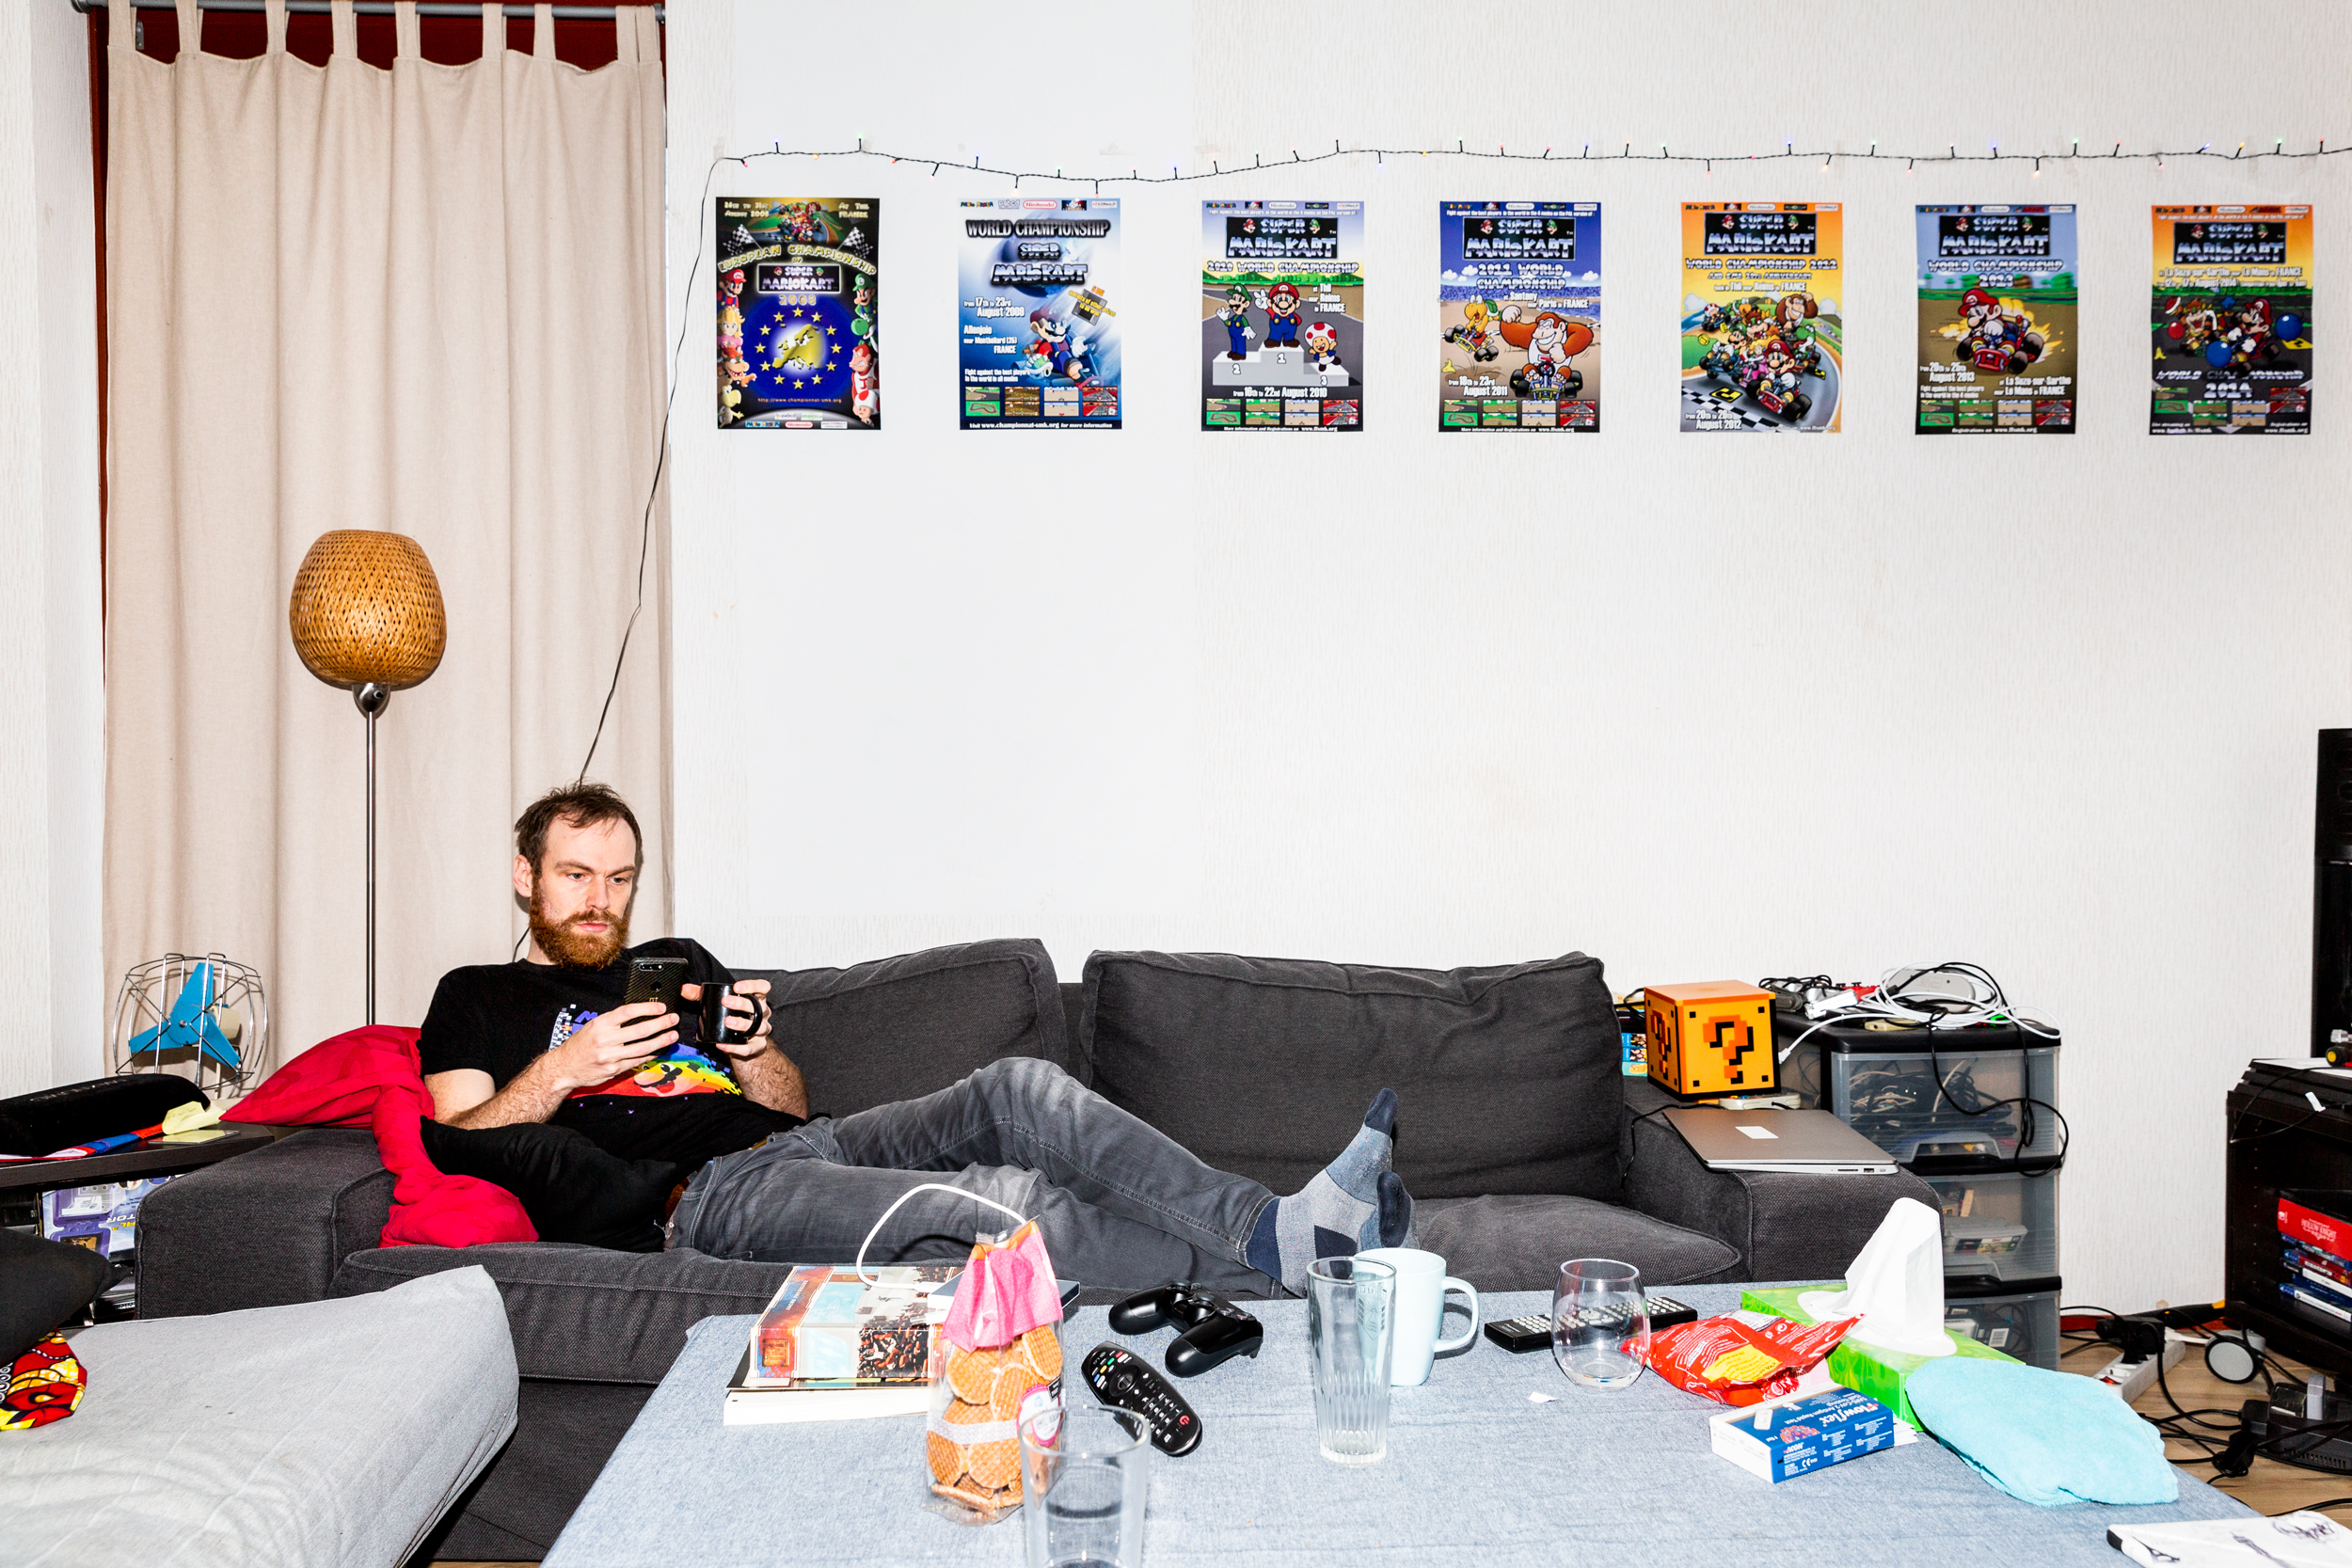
(1533,1331)
(1125,1381)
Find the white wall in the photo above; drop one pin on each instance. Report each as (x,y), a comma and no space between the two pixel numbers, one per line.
(51,713)
(1702,706)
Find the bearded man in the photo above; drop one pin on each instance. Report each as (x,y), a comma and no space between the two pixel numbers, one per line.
(552,1040)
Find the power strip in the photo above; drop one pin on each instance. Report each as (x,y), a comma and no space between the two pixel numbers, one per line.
(2131,1379)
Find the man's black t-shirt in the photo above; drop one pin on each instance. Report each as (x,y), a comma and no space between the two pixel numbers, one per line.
(682,1106)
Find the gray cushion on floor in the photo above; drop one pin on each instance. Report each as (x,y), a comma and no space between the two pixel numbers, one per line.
(895,1028)
(1518,1243)
(582,1312)
(1508,1079)
(322,1434)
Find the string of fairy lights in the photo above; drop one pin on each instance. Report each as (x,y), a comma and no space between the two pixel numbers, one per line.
(1586,153)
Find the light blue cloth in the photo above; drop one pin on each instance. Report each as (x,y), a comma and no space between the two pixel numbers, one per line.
(2043,1437)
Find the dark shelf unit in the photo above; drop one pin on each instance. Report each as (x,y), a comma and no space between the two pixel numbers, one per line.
(2278,1144)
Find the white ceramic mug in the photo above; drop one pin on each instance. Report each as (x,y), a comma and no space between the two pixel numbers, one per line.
(1422,1284)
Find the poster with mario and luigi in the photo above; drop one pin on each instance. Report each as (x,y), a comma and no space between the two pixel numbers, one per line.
(1763,339)
(1519,315)
(1038,334)
(1282,315)
(2230,320)
(799,284)
(1998,292)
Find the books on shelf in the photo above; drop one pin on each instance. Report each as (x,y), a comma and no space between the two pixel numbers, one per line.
(2317,1249)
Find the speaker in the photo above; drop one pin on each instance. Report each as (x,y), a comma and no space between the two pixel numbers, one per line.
(2331,895)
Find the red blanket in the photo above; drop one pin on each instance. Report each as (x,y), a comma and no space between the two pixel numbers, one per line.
(371,1078)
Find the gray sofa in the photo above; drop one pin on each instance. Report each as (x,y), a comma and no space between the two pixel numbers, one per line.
(1520,1138)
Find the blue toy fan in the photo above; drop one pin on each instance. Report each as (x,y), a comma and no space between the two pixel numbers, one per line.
(206,1020)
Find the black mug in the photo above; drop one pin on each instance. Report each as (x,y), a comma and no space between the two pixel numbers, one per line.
(719,1026)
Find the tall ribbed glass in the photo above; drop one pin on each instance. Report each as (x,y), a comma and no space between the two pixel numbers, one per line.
(1351,1338)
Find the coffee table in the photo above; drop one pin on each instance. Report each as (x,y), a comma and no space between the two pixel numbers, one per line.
(1475,1473)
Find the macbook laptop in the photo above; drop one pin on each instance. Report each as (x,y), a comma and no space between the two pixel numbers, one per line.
(1814,1142)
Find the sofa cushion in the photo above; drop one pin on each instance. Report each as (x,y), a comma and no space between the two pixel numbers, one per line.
(585,1314)
(1507,1079)
(325,1433)
(1518,1243)
(41,1284)
(572,1190)
(899,1027)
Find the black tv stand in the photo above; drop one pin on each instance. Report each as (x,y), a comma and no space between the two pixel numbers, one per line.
(2278,1144)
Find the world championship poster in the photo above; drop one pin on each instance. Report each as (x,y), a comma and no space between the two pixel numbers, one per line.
(1762,339)
(1519,311)
(2230,322)
(1282,315)
(799,341)
(1039,337)
(1998,292)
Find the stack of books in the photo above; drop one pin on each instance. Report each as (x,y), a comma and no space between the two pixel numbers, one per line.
(2318,1255)
(833,1347)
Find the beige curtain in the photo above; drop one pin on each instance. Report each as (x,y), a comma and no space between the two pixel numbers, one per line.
(426,300)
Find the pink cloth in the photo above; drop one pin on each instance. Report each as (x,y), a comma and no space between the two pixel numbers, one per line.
(371,1078)
(1005,1292)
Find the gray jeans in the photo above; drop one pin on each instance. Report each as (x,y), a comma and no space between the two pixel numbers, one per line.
(1121,1204)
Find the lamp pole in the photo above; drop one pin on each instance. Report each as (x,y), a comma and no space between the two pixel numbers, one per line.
(371,698)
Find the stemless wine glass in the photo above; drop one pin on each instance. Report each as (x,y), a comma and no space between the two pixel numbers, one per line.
(1599,1323)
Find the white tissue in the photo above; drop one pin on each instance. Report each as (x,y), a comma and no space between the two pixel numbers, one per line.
(1894,1284)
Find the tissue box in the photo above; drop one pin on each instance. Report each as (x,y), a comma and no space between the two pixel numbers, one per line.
(1785,1438)
(1866,1368)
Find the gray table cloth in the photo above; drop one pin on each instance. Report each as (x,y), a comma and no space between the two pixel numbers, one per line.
(1476,1473)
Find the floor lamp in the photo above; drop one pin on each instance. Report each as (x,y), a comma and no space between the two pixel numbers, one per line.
(366,615)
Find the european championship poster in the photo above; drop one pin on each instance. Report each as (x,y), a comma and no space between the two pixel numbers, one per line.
(1762,339)
(1039,335)
(799,290)
(2231,322)
(1997,296)
(1282,315)
(1518,310)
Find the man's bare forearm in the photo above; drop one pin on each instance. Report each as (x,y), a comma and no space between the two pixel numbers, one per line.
(530,1095)
(773,1080)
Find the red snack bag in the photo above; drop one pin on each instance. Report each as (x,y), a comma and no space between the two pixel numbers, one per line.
(1731,1362)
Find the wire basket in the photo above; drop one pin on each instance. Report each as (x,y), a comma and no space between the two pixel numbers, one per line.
(202,1019)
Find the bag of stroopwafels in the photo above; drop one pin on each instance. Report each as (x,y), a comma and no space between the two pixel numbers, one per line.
(1735,1361)
(1003,1363)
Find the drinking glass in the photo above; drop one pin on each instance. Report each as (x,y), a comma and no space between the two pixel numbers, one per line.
(1599,1323)
(1351,1338)
(1083,1479)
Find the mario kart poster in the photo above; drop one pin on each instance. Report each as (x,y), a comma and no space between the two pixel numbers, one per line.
(1763,343)
(1036,294)
(1519,315)
(799,291)
(2231,323)
(1282,315)
(1997,298)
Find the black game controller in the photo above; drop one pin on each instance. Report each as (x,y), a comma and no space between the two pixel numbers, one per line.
(1215,1330)
(1124,1381)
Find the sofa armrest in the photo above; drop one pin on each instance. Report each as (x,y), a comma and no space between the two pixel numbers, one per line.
(265,1228)
(1785,1225)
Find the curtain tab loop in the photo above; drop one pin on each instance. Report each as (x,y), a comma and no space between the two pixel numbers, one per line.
(543,31)
(123,25)
(493,29)
(406,44)
(624,34)
(191,28)
(346,24)
(274,12)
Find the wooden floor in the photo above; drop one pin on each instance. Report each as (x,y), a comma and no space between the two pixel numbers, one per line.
(2269,1487)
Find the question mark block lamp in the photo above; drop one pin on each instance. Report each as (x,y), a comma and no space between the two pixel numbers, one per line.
(1710,1037)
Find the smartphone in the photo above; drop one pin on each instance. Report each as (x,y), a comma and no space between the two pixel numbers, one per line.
(657,980)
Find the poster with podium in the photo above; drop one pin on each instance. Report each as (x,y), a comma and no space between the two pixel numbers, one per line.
(1282,315)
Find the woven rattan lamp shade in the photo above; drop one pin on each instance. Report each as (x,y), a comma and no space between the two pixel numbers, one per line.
(366,607)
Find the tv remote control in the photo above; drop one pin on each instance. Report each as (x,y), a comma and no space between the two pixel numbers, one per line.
(1533,1331)
(1125,1381)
